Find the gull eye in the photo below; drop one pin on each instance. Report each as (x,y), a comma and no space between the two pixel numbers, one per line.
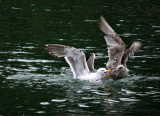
(120,67)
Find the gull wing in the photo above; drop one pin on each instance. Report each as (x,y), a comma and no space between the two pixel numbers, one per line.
(116,46)
(90,62)
(130,52)
(74,57)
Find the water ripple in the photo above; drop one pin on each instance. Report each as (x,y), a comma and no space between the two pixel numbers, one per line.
(59,100)
(82,105)
(111,101)
(103,94)
(26,60)
(128,91)
(44,103)
(129,99)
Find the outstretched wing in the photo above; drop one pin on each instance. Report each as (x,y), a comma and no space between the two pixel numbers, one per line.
(116,46)
(90,62)
(74,57)
(130,52)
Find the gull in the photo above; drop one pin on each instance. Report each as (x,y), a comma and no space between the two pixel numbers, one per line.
(82,69)
(118,55)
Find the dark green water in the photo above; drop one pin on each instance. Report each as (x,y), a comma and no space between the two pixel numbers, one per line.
(34,83)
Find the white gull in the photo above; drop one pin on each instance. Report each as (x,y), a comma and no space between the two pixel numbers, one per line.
(76,59)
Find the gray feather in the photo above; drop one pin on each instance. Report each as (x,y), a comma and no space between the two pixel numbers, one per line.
(90,62)
(116,46)
(74,57)
(105,27)
(130,52)
(56,49)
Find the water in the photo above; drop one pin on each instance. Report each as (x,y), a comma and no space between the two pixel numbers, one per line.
(34,83)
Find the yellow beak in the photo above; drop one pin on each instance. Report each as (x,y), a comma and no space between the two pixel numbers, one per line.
(109,70)
(107,75)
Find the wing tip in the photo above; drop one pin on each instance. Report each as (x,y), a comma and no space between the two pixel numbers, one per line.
(101,17)
(55,49)
(101,20)
(137,45)
(105,27)
(91,54)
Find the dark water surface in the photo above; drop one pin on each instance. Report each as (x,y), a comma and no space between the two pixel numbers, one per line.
(34,83)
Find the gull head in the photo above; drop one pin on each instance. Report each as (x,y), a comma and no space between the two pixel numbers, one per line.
(103,72)
(121,72)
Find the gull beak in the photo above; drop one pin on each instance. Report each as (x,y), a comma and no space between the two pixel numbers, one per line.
(109,71)
(106,73)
